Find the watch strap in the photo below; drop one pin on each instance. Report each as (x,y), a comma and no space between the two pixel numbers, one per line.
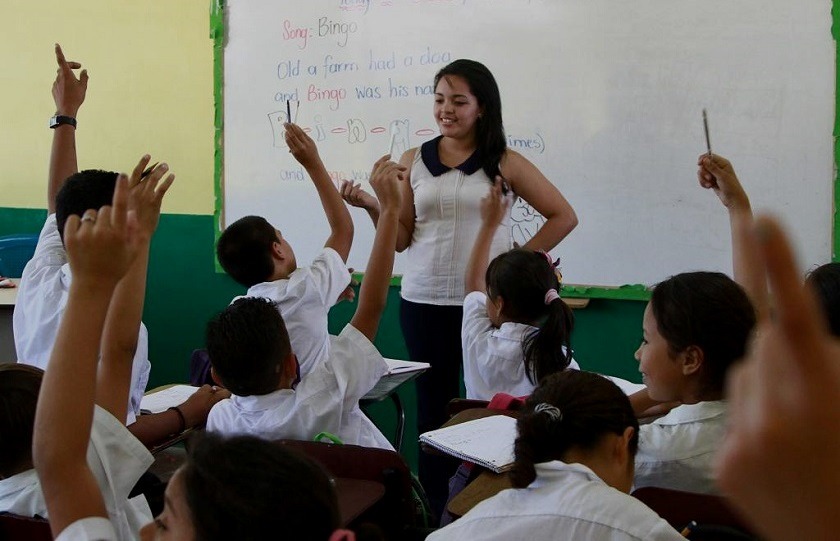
(58,120)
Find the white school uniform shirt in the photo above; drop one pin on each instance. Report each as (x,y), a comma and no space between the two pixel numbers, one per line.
(447,208)
(89,529)
(41,299)
(304,300)
(493,358)
(117,460)
(325,400)
(678,451)
(565,502)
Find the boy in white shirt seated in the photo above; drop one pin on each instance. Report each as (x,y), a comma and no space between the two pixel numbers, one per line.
(251,355)
(256,255)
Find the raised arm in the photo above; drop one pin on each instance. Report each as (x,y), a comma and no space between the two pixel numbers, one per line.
(716,173)
(778,462)
(531,185)
(100,249)
(407,214)
(494,206)
(305,151)
(373,294)
(354,195)
(122,324)
(69,93)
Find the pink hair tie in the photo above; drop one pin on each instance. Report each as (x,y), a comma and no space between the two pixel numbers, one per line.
(551,295)
(343,535)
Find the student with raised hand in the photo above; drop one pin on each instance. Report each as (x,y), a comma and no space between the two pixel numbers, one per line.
(241,488)
(716,173)
(256,255)
(778,462)
(572,473)
(47,277)
(252,354)
(695,328)
(516,328)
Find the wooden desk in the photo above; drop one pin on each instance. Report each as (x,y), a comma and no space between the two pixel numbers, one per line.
(355,496)
(8,297)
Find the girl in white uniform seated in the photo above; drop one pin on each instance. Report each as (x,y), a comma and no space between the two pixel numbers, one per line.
(573,470)
(695,327)
(516,328)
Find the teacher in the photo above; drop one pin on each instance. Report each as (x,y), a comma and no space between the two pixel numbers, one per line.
(446,179)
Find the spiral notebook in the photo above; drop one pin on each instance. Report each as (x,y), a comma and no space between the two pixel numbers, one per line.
(487,442)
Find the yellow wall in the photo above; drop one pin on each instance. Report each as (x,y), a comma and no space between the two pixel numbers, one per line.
(150,90)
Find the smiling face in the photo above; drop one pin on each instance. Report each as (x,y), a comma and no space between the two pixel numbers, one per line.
(661,372)
(175,522)
(456,108)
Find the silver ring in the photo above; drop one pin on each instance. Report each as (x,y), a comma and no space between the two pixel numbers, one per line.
(89,218)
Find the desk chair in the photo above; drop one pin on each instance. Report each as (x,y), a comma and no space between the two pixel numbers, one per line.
(14,527)
(15,252)
(395,512)
(716,518)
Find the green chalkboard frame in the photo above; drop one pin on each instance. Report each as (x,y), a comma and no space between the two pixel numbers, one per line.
(636,292)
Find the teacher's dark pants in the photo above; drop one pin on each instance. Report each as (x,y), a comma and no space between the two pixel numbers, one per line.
(433,335)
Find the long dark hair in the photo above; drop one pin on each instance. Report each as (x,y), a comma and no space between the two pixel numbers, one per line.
(489,129)
(522,278)
(251,489)
(707,310)
(588,406)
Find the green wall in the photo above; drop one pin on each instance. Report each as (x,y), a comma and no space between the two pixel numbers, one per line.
(184,291)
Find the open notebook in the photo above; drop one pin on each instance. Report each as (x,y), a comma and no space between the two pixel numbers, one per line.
(487,442)
(397,366)
(164,399)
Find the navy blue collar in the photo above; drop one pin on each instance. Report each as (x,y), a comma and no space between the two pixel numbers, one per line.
(431,159)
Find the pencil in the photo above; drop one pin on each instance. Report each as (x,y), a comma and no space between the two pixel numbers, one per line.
(289,115)
(687,530)
(706,129)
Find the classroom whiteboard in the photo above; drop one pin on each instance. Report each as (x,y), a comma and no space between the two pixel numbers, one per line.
(604,96)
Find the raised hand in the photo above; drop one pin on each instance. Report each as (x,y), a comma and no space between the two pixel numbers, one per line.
(146,194)
(494,205)
(302,147)
(778,463)
(68,90)
(716,173)
(355,196)
(385,183)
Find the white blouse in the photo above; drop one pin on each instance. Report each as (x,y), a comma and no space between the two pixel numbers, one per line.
(447,206)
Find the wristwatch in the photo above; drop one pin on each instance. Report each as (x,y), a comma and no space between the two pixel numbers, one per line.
(58,120)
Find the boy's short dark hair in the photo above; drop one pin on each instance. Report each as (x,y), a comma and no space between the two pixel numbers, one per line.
(19,386)
(244,250)
(247,488)
(89,189)
(247,343)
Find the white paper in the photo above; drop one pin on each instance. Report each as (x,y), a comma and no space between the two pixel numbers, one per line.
(397,366)
(487,441)
(167,398)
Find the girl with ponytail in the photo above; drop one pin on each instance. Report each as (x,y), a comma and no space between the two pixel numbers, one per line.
(515,329)
(577,438)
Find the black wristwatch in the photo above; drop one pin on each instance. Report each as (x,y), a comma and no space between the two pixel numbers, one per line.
(58,120)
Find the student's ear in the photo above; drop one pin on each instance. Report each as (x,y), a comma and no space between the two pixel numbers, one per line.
(277,251)
(692,360)
(289,371)
(621,451)
(215,377)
